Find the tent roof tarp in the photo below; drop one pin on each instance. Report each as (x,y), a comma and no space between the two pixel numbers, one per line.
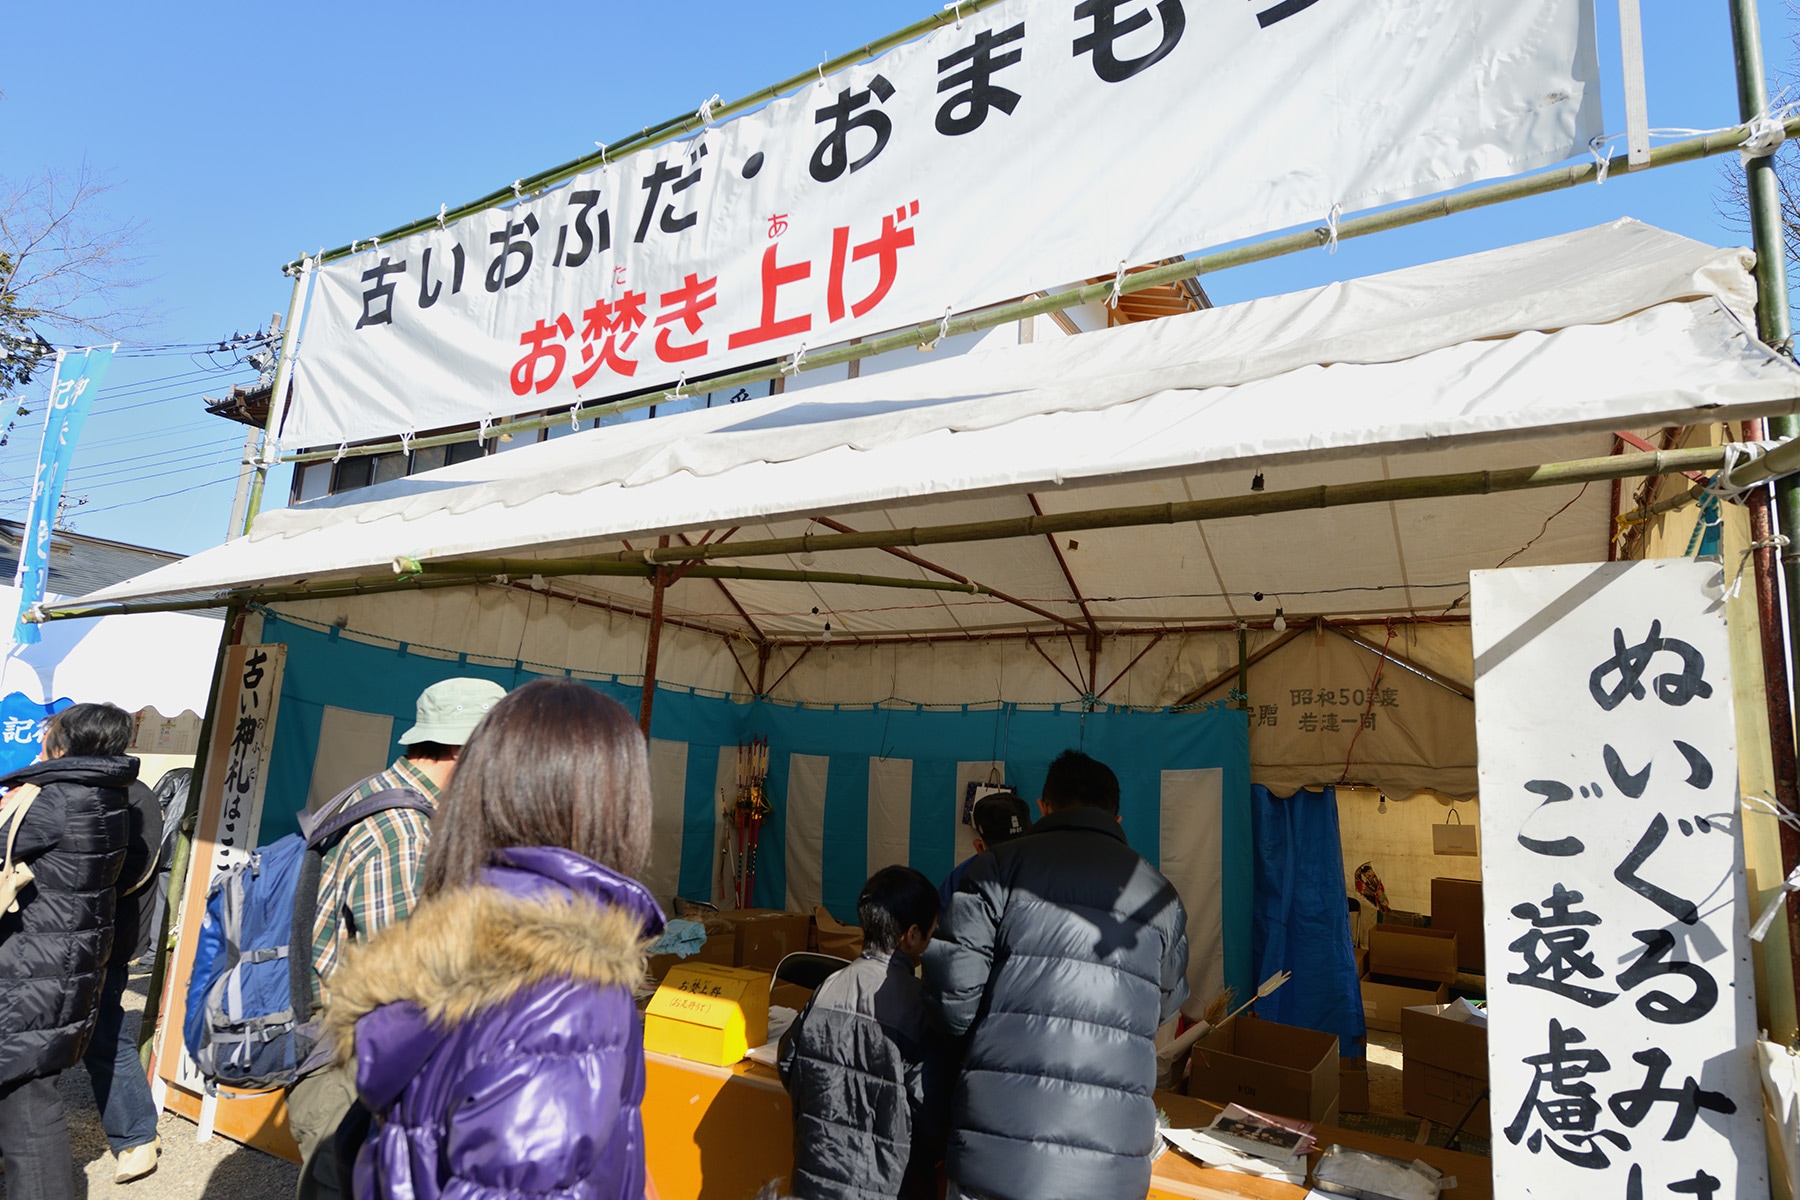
(1529,354)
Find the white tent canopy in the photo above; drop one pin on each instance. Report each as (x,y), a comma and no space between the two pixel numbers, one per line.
(1530,354)
(147,660)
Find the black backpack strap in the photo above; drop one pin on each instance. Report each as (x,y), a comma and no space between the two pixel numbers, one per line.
(322,830)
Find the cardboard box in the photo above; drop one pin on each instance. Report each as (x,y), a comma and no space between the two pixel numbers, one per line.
(765,936)
(1406,967)
(1446,1066)
(1426,955)
(833,937)
(1386,997)
(1353,1085)
(1278,1069)
(720,949)
(1456,906)
(708,1013)
(789,995)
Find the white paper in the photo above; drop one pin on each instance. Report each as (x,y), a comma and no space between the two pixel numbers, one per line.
(1621,1019)
(1198,126)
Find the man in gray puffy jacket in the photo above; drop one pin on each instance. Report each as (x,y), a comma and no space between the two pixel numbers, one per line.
(1060,955)
(859,1064)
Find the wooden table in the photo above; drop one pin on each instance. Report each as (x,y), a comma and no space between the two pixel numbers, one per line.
(1175,1175)
(719,1133)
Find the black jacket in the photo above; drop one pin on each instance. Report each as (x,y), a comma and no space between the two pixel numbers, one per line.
(866,1086)
(137,878)
(53,951)
(1060,954)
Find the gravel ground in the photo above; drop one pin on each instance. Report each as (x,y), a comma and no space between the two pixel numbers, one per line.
(219,1170)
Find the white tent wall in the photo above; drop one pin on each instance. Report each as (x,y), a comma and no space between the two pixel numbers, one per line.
(1398,843)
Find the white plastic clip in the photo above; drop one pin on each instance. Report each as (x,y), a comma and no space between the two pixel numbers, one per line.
(443,211)
(792,365)
(1118,287)
(706,110)
(518,189)
(956,5)
(1766,136)
(1331,228)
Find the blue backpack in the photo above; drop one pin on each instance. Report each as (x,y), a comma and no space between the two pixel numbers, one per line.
(249,1001)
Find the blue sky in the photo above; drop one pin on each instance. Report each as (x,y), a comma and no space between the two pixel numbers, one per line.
(243,135)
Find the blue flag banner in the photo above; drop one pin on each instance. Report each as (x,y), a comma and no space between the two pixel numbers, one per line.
(72,387)
(22,729)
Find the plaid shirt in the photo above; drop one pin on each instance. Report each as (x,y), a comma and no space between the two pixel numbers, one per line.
(370,879)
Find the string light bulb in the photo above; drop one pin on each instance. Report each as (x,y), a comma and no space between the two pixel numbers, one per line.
(1280,625)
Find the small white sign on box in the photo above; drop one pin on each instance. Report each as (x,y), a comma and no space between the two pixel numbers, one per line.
(1622,1024)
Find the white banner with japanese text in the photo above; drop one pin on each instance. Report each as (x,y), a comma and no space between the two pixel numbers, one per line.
(1021,149)
(1622,1023)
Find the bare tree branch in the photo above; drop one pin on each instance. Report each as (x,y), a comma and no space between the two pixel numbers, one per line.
(67,269)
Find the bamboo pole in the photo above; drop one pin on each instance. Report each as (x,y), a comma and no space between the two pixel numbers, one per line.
(1773,327)
(267,454)
(412,573)
(1554,180)
(1250,504)
(669,130)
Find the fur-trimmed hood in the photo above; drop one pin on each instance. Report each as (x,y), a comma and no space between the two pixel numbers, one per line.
(540,914)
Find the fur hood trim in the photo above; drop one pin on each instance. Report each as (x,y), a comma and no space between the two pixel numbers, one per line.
(475,948)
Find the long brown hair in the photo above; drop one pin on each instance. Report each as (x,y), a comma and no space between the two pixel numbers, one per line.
(555,763)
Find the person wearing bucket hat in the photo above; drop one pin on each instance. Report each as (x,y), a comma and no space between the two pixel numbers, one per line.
(370,880)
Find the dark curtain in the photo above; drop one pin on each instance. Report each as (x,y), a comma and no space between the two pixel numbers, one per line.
(1301,919)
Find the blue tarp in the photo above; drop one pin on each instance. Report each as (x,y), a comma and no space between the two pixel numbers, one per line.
(1302,921)
(326,669)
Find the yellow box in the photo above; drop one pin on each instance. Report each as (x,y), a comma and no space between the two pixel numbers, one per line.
(708,1012)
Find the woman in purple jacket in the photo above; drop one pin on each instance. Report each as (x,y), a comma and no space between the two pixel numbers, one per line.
(495,1038)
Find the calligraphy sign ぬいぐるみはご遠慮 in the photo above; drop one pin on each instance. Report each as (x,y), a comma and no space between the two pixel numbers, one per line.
(1621,1017)
(1019,149)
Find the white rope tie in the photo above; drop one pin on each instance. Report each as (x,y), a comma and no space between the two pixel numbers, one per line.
(1777,902)
(603,162)
(821,74)
(957,6)
(1118,287)
(406,441)
(792,366)
(1331,228)
(706,110)
(1737,454)
(1765,138)
(443,211)
(339,456)
(574,419)
(1601,148)
(518,189)
(481,434)
(1777,542)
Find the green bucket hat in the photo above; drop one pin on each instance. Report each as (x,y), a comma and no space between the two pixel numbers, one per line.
(450,709)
